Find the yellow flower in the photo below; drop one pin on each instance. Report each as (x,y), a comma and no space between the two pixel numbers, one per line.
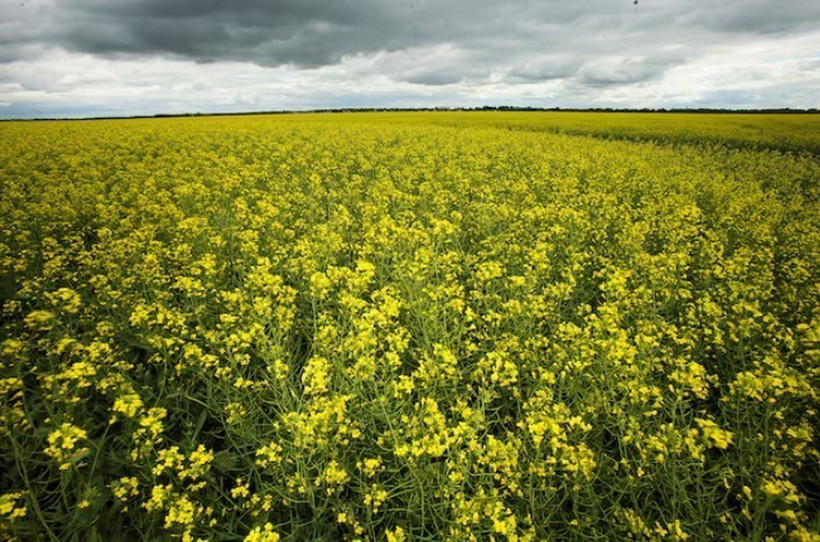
(66,299)
(370,465)
(395,535)
(719,437)
(241,489)
(334,474)
(62,445)
(129,404)
(125,487)
(315,375)
(269,455)
(262,534)
(40,320)
(10,507)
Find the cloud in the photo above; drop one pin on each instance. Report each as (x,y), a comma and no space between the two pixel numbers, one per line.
(544,68)
(764,17)
(308,52)
(615,70)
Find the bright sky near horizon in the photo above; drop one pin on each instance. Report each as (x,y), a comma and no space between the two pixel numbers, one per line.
(74,58)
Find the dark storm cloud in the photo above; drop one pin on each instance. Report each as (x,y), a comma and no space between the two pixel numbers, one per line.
(304,33)
(313,33)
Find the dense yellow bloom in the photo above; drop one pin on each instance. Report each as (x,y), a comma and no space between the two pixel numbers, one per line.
(269,455)
(263,534)
(370,465)
(241,490)
(395,535)
(66,299)
(315,375)
(129,404)
(40,320)
(719,437)
(125,488)
(62,445)
(182,512)
(11,507)
(151,422)
(375,497)
(452,325)
(199,462)
(333,475)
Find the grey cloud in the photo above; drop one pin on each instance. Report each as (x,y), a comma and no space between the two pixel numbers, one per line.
(438,65)
(764,16)
(312,33)
(465,52)
(306,33)
(434,77)
(617,71)
(544,69)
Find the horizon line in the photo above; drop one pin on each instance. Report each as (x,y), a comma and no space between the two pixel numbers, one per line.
(503,108)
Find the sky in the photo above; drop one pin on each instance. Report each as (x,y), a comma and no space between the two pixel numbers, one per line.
(76,58)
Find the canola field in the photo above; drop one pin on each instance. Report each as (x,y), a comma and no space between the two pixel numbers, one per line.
(411,327)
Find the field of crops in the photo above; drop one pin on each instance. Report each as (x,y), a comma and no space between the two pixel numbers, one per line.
(416,326)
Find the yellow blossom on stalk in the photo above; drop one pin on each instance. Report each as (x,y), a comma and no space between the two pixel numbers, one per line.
(782,488)
(125,488)
(269,455)
(151,422)
(395,535)
(262,534)
(159,497)
(199,463)
(40,320)
(693,377)
(279,369)
(235,411)
(315,375)
(8,385)
(333,475)
(375,497)
(720,438)
(66,299)
(11,347)
(181,512)
(168,460)
(10,506)
(320,284)
(129,405)
(370,465)
(62,445)
(242,489)
(80,371)
(676,531)
(489,270)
